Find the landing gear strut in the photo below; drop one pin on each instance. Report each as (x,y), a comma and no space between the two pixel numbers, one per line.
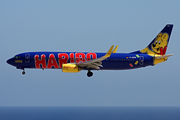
(89,74)
(23,72)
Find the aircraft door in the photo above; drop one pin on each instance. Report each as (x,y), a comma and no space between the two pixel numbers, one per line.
(27,57)
(141,60)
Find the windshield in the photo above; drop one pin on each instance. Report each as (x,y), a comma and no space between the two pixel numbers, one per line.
(17,57)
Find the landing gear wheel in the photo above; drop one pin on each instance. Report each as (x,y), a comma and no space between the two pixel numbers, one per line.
(23,72)
(89,74)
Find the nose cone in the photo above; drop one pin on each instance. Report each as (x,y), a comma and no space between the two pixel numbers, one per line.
(9,61)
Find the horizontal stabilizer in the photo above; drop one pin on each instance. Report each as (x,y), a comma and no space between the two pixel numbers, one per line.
(164,56)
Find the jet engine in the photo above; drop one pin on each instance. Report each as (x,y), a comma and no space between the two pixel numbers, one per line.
(71,68)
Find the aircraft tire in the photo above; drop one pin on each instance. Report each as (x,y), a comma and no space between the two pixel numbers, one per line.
(23,72)
(89,74)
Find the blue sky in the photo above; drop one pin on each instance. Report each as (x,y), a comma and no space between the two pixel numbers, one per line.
(88,26)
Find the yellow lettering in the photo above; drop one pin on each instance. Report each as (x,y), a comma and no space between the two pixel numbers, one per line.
(18,61)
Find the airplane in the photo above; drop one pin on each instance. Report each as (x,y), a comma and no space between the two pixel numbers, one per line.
(73,62)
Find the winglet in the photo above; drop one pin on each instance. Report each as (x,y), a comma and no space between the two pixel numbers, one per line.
(108,54)
(115,49)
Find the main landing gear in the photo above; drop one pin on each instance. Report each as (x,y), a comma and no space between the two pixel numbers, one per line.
(89,74)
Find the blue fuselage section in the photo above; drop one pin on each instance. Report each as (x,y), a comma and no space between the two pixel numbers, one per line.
(54,60)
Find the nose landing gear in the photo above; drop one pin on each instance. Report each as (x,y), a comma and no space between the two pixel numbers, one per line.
(23,72)
(89,74)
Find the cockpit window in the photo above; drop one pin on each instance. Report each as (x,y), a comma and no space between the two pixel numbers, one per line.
(17,57)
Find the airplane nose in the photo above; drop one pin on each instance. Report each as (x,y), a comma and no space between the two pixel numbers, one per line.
(9,61)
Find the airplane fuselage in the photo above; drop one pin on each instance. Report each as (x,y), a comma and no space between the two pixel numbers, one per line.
(54,60)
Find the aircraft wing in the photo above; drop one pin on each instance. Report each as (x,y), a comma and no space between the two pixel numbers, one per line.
(96,63)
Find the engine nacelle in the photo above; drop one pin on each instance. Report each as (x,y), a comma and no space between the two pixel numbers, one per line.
(71,68)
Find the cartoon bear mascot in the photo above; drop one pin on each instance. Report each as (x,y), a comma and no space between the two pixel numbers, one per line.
(159,46)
